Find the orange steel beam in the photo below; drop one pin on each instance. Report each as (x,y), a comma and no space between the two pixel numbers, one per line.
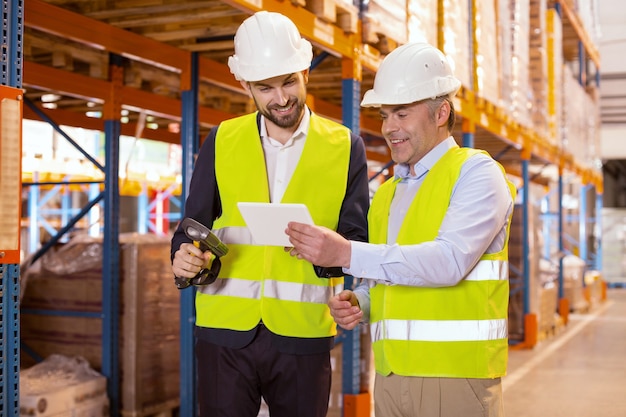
(66,24)
(65,82)
(88,88)
(219,74)
(75,119)
(213,117)
(153,104)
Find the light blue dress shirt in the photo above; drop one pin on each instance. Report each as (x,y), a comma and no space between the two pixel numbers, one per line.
(474,224)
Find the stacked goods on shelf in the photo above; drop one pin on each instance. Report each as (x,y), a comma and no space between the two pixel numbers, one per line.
(457,44)
(384,24)
(538,71)
(573,274)
(486,54)
(516,267)
(63,386)
(594,137)
(581,121)
(594,287)
(614,246)
(548,296)
(422,21)
(513,33)
(555,74)
(70,280)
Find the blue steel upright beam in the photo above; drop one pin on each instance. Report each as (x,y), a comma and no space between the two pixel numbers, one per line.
(598,261)
(525,232)
(11,76)
(564,303)
(582,225)
(351,345)
(582,64)
(468,129)
(190,145)
(111,244)
(9,340)
(12,42)
(560,233)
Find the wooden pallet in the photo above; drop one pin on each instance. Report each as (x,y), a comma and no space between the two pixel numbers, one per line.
(339,12)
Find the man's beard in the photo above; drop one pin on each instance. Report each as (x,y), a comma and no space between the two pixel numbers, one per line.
(287,121)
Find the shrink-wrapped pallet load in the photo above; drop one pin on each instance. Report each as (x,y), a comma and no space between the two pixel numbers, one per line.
(538,70)
(63,386)
(422,21)
(456,39)
(68,284)
(487,57)
(513,27)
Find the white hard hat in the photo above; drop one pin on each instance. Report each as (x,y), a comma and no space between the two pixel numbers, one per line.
(410,73)
(267,45)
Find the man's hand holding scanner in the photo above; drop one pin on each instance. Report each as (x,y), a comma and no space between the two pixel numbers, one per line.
(189,260)
(345,309)
(318,245)
(197,263)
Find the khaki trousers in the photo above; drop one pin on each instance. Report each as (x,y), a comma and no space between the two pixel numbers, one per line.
(401,396)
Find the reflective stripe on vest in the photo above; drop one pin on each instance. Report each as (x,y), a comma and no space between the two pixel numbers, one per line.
(439,330)
(234,235)
(290,291)
(489,270)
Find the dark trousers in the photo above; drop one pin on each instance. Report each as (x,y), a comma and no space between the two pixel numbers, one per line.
(232,381)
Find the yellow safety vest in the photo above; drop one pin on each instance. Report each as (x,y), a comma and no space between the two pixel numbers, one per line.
(455,332)
(264,282)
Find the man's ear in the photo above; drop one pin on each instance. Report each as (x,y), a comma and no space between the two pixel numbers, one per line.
(305,76)
(443,113)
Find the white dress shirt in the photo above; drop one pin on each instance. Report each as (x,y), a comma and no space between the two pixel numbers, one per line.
(281,160)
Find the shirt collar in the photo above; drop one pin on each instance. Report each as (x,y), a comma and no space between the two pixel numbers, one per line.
(301,131)
(424,165)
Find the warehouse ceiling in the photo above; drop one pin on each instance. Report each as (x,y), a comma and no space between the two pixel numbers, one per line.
(69,46)
(612,45)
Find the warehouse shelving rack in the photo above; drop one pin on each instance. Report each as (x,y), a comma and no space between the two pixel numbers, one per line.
(483,125)
(10,163)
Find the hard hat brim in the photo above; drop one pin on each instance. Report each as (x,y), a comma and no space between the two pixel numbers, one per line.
(372,99)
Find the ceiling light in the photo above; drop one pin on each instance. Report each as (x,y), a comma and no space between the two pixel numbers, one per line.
(49,98)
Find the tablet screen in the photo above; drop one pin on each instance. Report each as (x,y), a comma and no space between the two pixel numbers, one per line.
(267,221)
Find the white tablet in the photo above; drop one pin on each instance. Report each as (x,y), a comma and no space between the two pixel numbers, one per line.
(267,221)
